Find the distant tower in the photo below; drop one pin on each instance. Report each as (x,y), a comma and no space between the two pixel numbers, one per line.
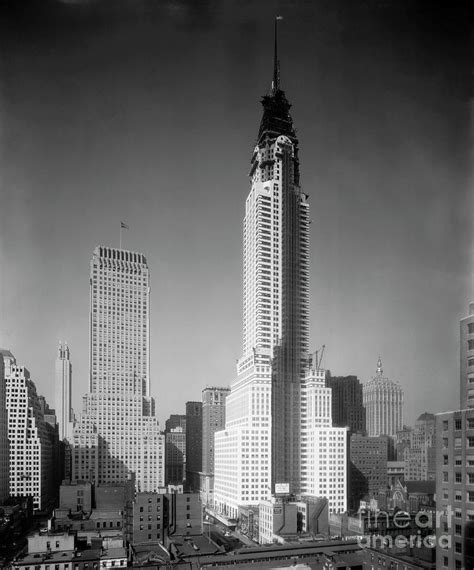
(383,401)
(63,392)
(117,437)
(467,359)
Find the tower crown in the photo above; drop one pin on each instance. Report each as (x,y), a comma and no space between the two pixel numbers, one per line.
(276,117)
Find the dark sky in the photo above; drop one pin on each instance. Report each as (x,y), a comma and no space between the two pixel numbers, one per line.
(147,112)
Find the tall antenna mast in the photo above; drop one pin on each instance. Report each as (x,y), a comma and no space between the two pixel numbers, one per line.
(276,62)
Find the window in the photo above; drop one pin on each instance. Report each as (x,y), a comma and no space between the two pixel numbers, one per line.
(445,425)
(458,547)
(458,424)
(445,460)
(458,477)
(470,421)
(470,496)
(445,476)
(458,529)
(470,441)
(470,328)
(470,344)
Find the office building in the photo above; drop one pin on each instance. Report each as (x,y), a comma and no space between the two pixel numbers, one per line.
(455,489)
(416,448)
(175,461)
(193,444)
(31,447)
(260,445)
(4,442)
(146,518)
(403,441)
(347,403)
(213,420)
(383,401)
(175,420)
(368,458)
(75,496)
(156,517)
(63,392)
(117,437)
(467,359)
(395,472)
(323,447)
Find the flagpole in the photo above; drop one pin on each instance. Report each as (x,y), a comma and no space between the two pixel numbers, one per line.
(120,235)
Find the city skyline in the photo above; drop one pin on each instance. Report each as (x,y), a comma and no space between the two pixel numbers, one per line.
(390,245)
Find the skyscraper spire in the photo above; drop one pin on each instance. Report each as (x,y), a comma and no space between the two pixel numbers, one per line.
(379,366)
(276,62)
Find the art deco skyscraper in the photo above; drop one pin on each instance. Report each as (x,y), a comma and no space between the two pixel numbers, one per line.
(383,401)
(118,435)
(260,446)
(63,392)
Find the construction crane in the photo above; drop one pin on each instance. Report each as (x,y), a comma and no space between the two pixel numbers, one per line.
(318,358)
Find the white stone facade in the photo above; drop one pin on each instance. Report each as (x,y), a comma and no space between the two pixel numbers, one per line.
(242,473)
(31,451)
(323,447)
(117,436)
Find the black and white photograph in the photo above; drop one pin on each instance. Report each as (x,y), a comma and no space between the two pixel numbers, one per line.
(236,284)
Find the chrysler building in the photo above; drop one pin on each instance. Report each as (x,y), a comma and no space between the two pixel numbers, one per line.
(259,452)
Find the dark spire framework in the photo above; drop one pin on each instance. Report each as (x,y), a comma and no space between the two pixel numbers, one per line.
(276,62)
(276,118)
